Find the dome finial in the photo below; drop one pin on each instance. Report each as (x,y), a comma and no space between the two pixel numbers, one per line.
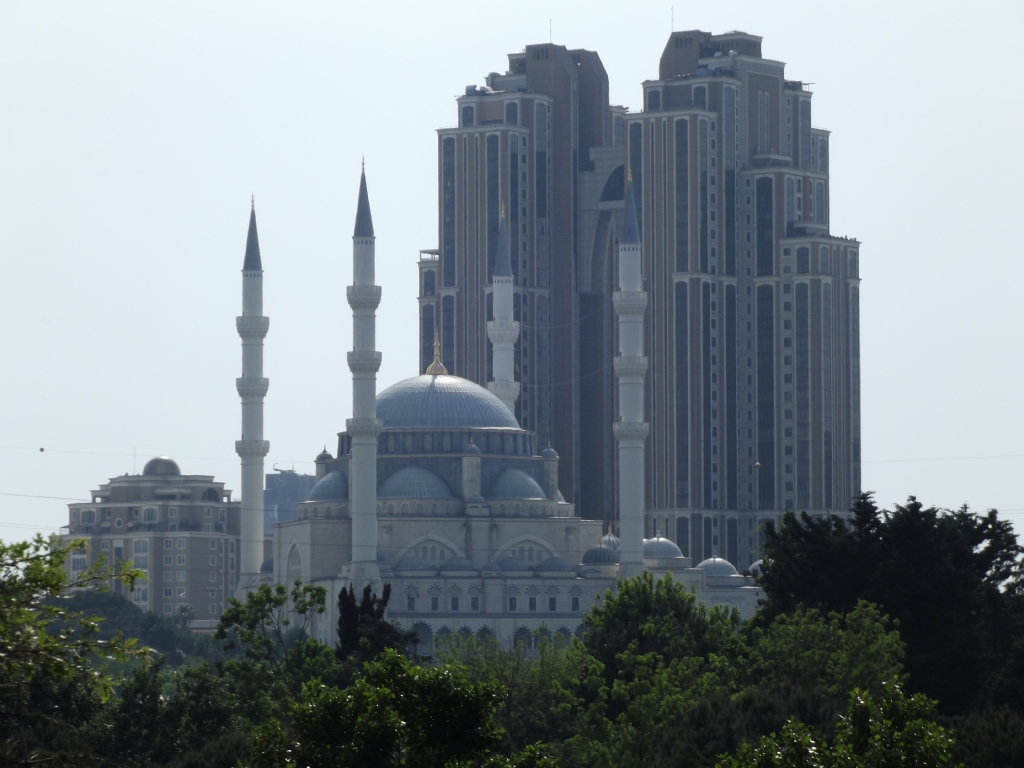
(437,368)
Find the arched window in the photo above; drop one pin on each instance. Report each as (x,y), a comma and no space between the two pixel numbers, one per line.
(294,564)
(211,494)
(512,113)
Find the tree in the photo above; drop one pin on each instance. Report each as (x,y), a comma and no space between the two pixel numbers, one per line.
(893,732)
(363,632)
(43,671)
(941,575)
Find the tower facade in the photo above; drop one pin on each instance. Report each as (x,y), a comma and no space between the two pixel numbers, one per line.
(364,427)
(754,393)
(630,429)
(252,389)
(503,331)
(522,141)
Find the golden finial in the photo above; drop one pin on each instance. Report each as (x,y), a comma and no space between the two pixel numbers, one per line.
(437,368)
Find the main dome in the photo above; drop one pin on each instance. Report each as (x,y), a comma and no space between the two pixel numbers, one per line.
(441,402)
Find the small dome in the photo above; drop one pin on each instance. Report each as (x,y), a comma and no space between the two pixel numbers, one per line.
(414,483)
(600,555)
(559,497)
(476,498)
(516,484)
(332,487)
(442,402)
(471,447)
(161,465)
(611,541)
(549,453)
(755,567)
(457,563)
(512,564)
(717,566)
(324,455)
(660,548)
(555,563)
(268,566)
(413,563)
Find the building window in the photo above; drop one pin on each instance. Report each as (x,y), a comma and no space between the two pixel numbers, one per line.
(181,559)
(213,575)
(213,560)
(213,543)
(455,602)
(575,604)
(213,609)
(168,575)
(118,523)
(533,603)
(105,546)
(78,563)
(172,512)
(149,514)
(168,607)
(552,604)
(208,512)
(435,603)
(181,591)
(181,575)
(513,604)
(168,559)
(207,528)
(410,603)
(181,543)
(168,592)
(474,603)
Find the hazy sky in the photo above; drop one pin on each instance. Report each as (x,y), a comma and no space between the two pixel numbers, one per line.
(132,135)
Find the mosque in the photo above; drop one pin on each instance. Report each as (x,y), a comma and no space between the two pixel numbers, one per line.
(436,489)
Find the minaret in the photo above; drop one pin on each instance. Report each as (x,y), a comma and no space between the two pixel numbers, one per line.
(252,388)
(630,302)
(503,331)
(364,427)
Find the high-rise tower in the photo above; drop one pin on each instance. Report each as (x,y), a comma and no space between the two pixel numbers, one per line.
(503,331)
(252,389)
(631,429)
(364,427)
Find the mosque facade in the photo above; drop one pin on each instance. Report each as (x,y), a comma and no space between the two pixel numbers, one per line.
(435,488)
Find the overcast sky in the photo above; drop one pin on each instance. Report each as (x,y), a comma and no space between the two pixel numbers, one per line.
(133,134)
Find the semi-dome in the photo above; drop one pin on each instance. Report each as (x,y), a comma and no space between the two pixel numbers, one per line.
(441,402)
(161,465)
(516,484)
(600,555)
(414,483)
(413,563)
(660,548)
(717,566)
(332,487)
(457,563)
(555,563)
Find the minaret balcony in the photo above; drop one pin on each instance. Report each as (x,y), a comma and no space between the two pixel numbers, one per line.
(630,430)
(252,386)
(252,326)
(252,449)
(630,367)
(629,303)
(363,296)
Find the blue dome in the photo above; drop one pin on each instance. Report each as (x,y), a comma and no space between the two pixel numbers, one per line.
(512,564)
(333,487)
(324,455)
(164,465)
(549,453)
(414,483)
(717,566)
(611,541)
(555,563)
(660,548)
(457,563)
(268,566)
(413,563)
(516,484)
(441,402)
(600,555)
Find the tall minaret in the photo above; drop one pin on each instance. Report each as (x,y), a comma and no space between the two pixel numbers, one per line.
(503,331)
(252,388)
(631,430)
(364,427)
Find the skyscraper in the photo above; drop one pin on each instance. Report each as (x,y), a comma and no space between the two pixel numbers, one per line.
(751,330)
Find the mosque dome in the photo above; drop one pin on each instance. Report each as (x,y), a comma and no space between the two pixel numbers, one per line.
(610,540)
(414,483)
(755,567)
(516,484)
(457,563)
(717,566)
(332,487)
(471,447)
(549,453)
(161,465)
(442,402)
(324,455)
(660,548)
(600,555)
(413,563)
(555,563)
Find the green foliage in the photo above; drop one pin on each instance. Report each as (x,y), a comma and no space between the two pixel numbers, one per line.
(950,579)
(39,668)
(363,632)
(894,732)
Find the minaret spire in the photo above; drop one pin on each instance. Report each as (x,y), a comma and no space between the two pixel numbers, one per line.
(436,368)
(252,389)
(503,330)
(630,431)
(364,427)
